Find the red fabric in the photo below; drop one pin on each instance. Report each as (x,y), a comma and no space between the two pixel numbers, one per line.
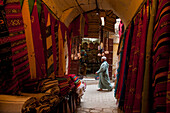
(135,66)
(38,45)
(122,69)
(121,29)
(139,82)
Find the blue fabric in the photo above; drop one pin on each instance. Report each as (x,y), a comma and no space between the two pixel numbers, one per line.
(122,97)
(104,80)
(118,70)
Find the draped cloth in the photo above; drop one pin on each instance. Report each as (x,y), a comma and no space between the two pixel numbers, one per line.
(122,69)
(146,108)
(161,54)
(122,96)
(104,80)
(140,74)
(118,70)
(38,45)
(18,48)
(130,63)
(61,51)
(29,38)
(54,48)
(50,61)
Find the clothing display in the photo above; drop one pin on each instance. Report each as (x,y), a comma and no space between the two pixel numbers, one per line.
(143,68)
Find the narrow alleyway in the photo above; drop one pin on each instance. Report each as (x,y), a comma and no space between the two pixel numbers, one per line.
(94,101)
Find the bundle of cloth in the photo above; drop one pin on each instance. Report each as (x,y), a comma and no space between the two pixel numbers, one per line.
(63,85)
(40,103)
(76,80)
(70,82)
(49,86)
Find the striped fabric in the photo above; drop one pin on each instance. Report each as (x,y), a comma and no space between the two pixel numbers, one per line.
(21,70)
(63,85)
(161,55)
(75,79)
(50,61)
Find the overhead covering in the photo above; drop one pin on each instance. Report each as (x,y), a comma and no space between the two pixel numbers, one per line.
(67,10)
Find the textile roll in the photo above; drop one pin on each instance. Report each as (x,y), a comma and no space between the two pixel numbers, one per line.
(8,103)
(38,45)
(161,53)
(29,38)
(30,105)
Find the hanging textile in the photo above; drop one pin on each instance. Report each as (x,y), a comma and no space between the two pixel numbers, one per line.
(66,54)
(140,74)
(38,45)
(132,88)
(121,28)
(130,63)
(121,46)
(53,27)
(146,100)
(50,61)
(17,48)
(29,40)
(161,54)
(122,96)
(61,50)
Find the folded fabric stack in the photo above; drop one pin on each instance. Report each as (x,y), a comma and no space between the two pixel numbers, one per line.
(30,105)
(63,85)
(70,82)
(49,86)
(40,103)
(75,79)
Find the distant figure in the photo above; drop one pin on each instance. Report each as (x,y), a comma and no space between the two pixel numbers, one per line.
(104,80)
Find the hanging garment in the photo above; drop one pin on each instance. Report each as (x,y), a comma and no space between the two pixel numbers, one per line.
(61,50)
(21,70)
(54,48)
(38,44)
(50,61)
(122,69)
(146,100)
(140,74)
(104,80)
(122,96)
(160,57)
(29,38)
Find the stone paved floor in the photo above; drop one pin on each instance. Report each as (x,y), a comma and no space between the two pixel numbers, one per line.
(94,101)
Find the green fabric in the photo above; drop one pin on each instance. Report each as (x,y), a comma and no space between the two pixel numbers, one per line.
(147,75)
(21,3)
(31,5)
(39,8)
